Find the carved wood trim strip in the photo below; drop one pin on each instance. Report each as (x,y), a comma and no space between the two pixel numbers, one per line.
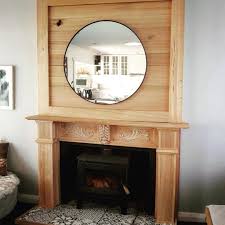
(167,151)
(46,141)
(107,134)
(104,134)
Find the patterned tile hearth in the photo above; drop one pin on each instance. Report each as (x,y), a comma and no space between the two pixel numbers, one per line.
(90,214)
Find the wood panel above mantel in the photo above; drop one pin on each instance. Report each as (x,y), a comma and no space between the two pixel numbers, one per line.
(137,123)
(158,23)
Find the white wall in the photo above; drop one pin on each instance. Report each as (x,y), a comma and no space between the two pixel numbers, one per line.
(203,145)
(83,59)
(18,48)
(203,152)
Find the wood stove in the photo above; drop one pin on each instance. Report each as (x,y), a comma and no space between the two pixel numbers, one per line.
(103,177)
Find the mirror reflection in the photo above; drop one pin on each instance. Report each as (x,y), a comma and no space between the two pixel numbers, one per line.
(105,62)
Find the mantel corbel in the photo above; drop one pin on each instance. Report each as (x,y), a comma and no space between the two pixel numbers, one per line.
(104,134)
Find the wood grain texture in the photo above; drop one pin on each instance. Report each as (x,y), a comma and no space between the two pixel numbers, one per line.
(48,158)
(93,2)
(107,114)
(176,60)
(153,29)
(159,24)
(108,122)
(42,42)
(167,176)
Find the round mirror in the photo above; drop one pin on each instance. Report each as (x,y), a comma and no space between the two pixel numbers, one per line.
(105,62)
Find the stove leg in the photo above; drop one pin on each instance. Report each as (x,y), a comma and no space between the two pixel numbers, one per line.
(79,204)
(123,207)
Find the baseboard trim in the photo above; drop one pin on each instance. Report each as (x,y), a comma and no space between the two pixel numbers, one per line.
(26,198)
(191,217)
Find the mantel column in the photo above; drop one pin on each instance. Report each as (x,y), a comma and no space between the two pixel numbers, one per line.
(167,175)
(49,164)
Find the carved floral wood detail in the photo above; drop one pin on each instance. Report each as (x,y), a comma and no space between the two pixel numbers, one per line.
(104,134)
(133,134)
(76,130)
(107,134)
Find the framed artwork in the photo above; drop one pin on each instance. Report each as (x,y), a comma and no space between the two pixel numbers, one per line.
(6,87)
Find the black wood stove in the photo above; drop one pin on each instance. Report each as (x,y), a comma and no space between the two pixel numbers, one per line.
(103,177)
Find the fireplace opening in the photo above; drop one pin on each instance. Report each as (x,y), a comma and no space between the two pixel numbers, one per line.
(103,177)
(110,174)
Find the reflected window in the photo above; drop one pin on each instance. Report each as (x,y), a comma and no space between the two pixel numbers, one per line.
(124,65)
(115,65)
(106,65)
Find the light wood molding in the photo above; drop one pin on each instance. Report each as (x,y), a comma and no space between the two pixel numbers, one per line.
(167,151)
(46,141)
(48,158)
(108,122)
(168,139)
(94,2)
(167,176)
(43,67)
(176,60)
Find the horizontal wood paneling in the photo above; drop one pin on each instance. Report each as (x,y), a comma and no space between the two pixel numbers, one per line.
(157,11)
(154,31)
(158,76)
(127,116)
(93,2)
(68,96)
(155,41)
(154,85)
(155,59)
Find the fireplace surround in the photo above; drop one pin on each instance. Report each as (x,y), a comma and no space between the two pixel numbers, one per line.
(164,137)
(150,119)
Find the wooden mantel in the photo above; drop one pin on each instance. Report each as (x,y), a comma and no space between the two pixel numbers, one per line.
(151,118)
(181,125)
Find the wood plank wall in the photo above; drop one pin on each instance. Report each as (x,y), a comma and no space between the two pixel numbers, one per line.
(151,20)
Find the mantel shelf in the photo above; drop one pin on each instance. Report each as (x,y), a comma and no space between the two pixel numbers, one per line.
(181,125)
